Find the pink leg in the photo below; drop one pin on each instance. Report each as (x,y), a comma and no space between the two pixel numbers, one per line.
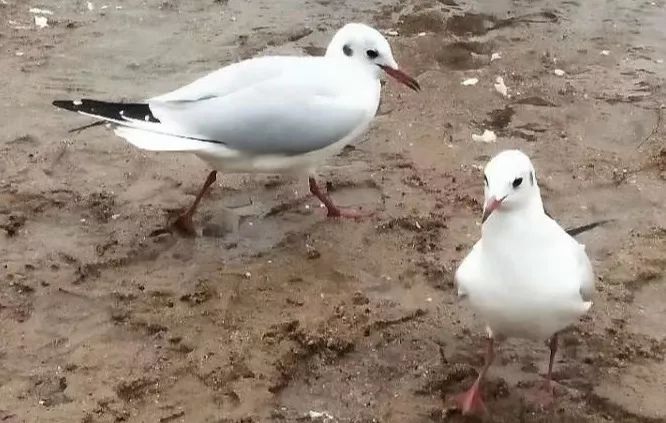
(184,222)
(333,210)
(547,394)
(552,343)
(471,401)
(543,395)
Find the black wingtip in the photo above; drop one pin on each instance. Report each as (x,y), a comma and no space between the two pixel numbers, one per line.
(584,228)
(65,104)
(108,110)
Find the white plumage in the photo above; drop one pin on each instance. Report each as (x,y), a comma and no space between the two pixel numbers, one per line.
(266,114)
(273,114)
(526,277)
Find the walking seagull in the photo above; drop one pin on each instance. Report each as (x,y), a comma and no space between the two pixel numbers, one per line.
(526,276)
(272,114)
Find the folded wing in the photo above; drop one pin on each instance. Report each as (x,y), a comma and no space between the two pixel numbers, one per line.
(284,115)
(282,106)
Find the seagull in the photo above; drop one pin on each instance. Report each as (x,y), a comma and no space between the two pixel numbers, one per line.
(270,114)
(526,276)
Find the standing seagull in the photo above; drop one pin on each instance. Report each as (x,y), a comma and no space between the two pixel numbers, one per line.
(526,277)
(273,114)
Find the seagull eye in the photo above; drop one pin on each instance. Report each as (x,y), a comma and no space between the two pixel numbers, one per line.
(347,50)
(485,179)
(372,54)
(517,182)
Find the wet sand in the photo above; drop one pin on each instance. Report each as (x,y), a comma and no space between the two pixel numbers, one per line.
(292,313)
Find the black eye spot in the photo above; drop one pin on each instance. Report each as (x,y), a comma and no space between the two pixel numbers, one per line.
(347,50)
(485,179)
(517,182)
(373,54)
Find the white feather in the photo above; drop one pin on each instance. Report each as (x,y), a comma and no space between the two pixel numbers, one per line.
(270,114)
(155,141)
(526,277)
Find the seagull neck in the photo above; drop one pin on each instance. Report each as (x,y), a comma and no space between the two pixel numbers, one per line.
(517,217)
(372,70)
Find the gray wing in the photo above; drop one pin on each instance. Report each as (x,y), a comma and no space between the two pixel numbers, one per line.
(587,288)
(285,115)
(468,274)
(582,273)
(231,78)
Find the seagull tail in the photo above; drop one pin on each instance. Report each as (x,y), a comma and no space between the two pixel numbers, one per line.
(135,123)
(155,141)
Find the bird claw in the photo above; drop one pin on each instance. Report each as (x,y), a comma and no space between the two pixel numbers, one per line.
(544,395)
(470,402)
(184,225)
(349,213)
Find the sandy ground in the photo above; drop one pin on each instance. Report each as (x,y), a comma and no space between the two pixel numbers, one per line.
(292,313)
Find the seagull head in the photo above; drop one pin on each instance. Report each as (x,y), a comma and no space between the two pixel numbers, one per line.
(366,45)
(510,184)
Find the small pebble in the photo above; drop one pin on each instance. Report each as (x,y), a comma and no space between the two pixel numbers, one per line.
(41,21)
(500,87)
(487,137)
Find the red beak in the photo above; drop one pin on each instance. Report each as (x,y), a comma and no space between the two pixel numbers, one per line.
(492,205)
(402,77)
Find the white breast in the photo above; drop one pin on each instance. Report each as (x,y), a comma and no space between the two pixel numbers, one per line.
(525,284)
